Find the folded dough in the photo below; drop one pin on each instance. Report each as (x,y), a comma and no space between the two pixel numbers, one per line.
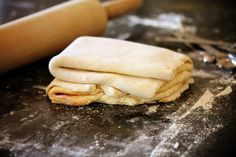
(95,69)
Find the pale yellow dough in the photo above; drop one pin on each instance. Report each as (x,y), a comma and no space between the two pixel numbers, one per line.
(95,69)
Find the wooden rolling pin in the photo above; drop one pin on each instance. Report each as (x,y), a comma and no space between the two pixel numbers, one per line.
(41,34)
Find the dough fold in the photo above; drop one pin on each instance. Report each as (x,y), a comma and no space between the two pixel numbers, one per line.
(96,69)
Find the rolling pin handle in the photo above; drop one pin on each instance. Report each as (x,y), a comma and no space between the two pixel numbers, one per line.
(116,8)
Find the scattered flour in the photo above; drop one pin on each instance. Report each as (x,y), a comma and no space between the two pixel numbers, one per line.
(11,113)
(164,146)
(69,151)
(164,21)
(4,139)
(203,74)
(169,137)
(52,151)
(205,101)
(152,109)
(75,118)
(141,144)
(176,145)
(224,81)
(226,91)
(58,125)
(39,87)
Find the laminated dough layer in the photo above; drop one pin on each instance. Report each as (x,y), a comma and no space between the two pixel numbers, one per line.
(95,69)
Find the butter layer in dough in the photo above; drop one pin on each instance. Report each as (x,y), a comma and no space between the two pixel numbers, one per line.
(63,92)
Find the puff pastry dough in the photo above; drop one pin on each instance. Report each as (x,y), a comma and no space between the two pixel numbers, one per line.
(95,69)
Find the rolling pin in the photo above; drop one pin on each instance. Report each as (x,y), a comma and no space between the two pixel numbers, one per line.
(47,32)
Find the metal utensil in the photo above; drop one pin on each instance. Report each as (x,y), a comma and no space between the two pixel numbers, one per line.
(223,59)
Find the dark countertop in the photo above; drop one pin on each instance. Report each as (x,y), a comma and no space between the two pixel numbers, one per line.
(201,123)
